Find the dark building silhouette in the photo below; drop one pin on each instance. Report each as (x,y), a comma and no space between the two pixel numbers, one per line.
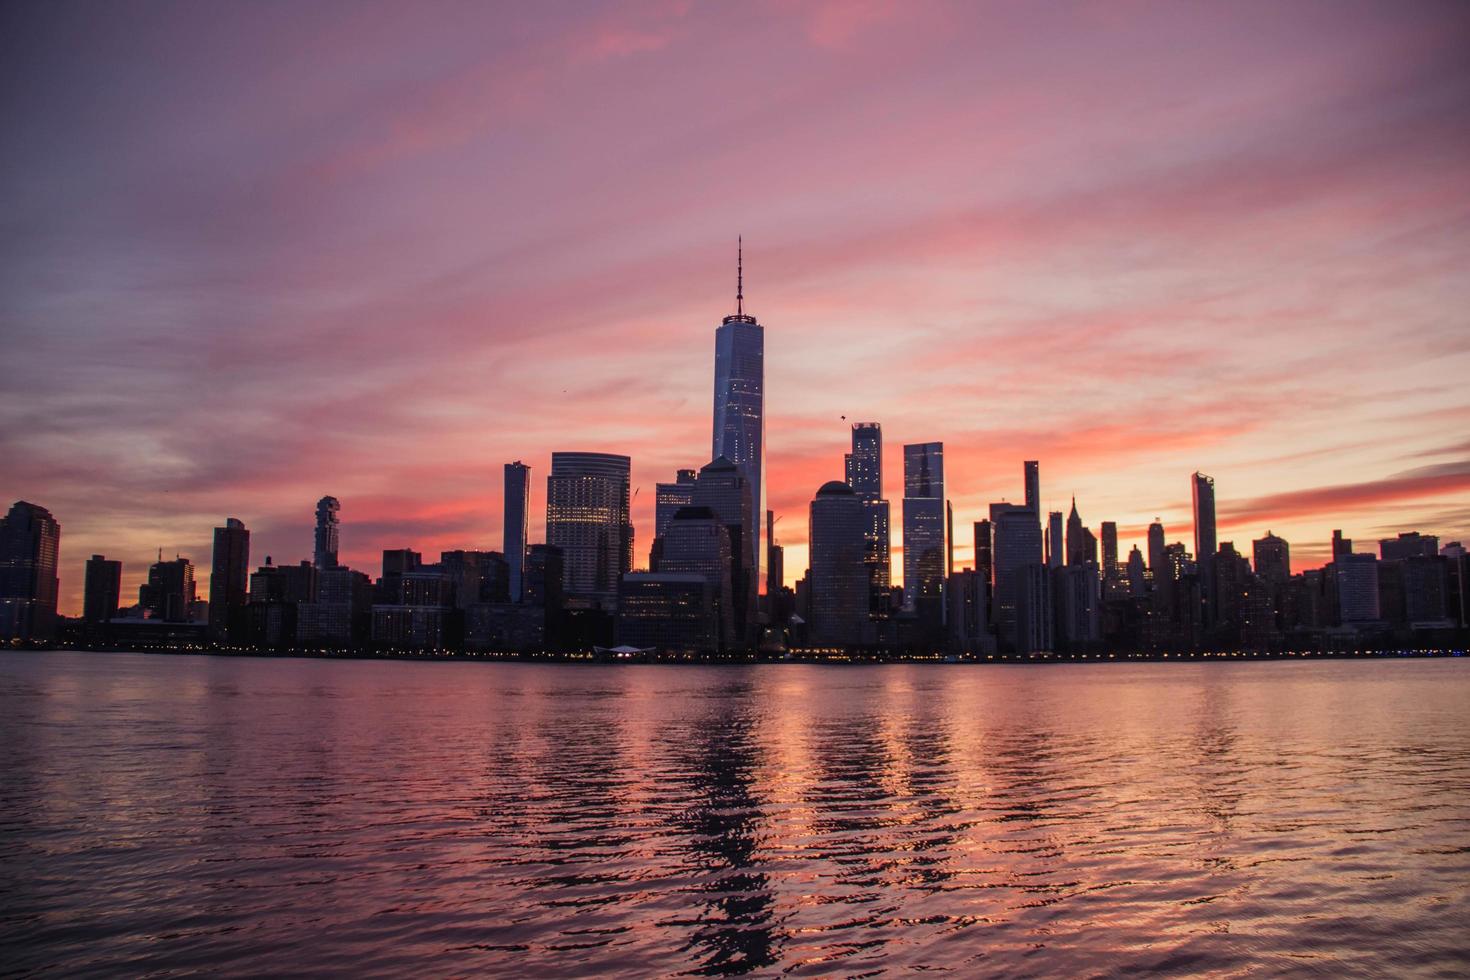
(699,541)
(667,612)
(102,590)
(587,517)
(325,553)
(1156,550)
(925,550)
(984,563)
(229,580)
(517,509)
(1032,471)
(838,576)
(1409,544)
(169,592)
(722,488)
(1056,552)
(30,543)
(864,466)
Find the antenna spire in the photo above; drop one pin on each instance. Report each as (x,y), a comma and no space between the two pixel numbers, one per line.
(739,275)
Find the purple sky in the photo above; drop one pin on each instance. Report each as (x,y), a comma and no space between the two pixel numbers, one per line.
(253,253)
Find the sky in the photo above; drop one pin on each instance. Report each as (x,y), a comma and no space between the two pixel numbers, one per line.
(255,253)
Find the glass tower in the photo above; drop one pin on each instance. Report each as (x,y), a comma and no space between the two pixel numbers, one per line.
(740,407)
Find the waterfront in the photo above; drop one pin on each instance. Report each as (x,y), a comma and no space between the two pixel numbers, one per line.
(249,815)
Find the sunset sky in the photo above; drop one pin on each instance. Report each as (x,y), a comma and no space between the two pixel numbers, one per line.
(254,253)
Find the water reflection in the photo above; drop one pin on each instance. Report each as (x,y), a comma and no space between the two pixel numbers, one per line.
(162,814)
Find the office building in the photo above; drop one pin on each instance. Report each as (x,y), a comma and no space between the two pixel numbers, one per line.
(1410,544)
(587,517)
(229,578)
(1055,547)
(30,543)
(698,541)
(169,592)
(102,590)
(740,408)
(669,612)
(925,545)
(325,555)
(516,510)
(864,467)
(839,594)
(1271,557)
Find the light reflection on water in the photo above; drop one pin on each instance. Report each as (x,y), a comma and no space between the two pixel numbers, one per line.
(267,816)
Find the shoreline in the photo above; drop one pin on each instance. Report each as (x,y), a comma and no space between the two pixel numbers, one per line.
(826,659)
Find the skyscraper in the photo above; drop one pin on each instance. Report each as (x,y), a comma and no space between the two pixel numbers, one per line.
(924,525)
(229,576)
(723,489)
(1205,544)
(740,406)
(30,541)
(169,592)
(102,589)
(697,542)
(1272,558)
(865,476)
(1156,550)
(587,518)
(1033,486)
(1055,548)
(984,565)
(326,533)
(1022,588)
(838,579)
(513,539)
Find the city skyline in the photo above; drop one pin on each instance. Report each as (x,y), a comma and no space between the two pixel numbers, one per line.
(1261,282)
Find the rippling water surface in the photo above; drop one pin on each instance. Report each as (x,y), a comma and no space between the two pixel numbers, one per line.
(204,814)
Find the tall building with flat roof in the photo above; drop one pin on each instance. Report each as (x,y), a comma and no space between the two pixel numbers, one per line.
(587,517)
(1032,470)
(925,549)
(837,579)
(30,545)
(1272,558)
(1205,544)
(102,589)
(516,508)
(229,577)
(740,406)
(864,467)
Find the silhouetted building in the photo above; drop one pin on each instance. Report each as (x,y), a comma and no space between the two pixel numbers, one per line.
(30,543)
(517,507)
(775,560)
(668,498)
(667,611)
(1356,578)
(545,575)
(984,563)
(396,561)
(969,615)
(325,555)
(1032,471)
(169,591)
(1410,544)
(925,548)
(1055,548)
(723,489)
(1076,605)
(587,518)
(341,615)
(1341,545)
(1113,585)
(1272,558)
(1137,573)
(1016,547)
(698,542)
(229,580)
(102,589)
(740,409)
(839,583)
(1156,550)
(865,475)
(1205,542)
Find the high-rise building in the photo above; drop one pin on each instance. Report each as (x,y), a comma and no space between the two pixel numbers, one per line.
(1205,543)
(229,576)
(698,542)
(667,499)
(30,542)
(984,565)
(1272,558)
(775,557)
(169,592)
(1055,547)
(587,518)
(924,525)
(1077,535)
(723,489)
(1137,575)
(1357,589)
(1113,584)
(326,532)
(1156,550)
(1409,544)
(838,580)
(740,406)
(865,462)
(1341,545)
(1033,486)
(865,475)
(1015,550)
(102,589)
(517,507)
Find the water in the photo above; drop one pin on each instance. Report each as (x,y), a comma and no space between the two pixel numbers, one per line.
(198,814)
